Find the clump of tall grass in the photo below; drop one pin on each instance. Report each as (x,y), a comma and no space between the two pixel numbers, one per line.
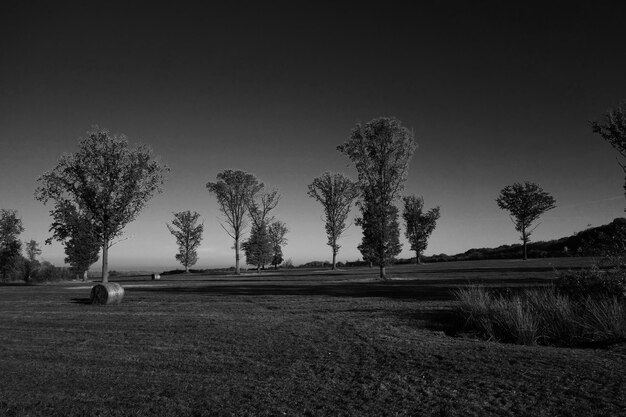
(542,316)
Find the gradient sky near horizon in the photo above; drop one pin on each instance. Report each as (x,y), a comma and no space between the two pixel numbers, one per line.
(494,93)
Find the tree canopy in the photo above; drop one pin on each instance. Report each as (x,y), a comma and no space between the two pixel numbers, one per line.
(336,192)
(277,231)
(525,202)
(10,245)
(381,151)
(419,225)
(234,191)
(612,128)
(188,234)
(108,181)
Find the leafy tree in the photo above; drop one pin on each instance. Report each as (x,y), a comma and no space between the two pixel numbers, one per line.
(32,251)
(612,128)
(381,151)
(277,231)
(234,190)
(335,192)
(10,245)
(73,228)
(526,202)
(419,225)
(188,234)
(108,181)
(381,234)
(259,247)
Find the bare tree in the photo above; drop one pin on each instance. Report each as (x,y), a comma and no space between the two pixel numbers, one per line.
(419,225)
(188,234)
(336,192)
(381,151)
(526,202)
(234,190)
(107,180)
(612,128)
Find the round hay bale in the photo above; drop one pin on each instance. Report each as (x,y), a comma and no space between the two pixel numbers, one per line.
(156,276)
(107,293)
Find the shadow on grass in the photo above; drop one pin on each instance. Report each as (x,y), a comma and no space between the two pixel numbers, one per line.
(419,290)
(81,300)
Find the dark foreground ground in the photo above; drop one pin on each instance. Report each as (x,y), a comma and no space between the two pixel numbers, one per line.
(295,343)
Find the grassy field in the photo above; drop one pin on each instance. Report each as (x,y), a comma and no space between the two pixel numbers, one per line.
(291,343)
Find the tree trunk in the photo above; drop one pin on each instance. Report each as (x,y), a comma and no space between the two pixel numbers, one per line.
(524,239)
(371,265)
(186,269)
(258,269)
(418,259)
(237,272)
(85,275)
(105,261)
(383,275)
(334,260)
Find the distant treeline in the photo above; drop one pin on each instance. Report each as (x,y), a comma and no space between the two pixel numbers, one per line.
(595,241)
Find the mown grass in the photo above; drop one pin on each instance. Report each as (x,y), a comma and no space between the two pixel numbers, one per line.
(308,344)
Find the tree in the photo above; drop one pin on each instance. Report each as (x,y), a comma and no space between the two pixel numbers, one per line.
(419,225)
(188,236)
(10,244)
(381,151)
(335,192)
(259,247)
(32,251)
(108,181)
(277,231)
(72,227)
(526,202)
(234,190)
(612,128)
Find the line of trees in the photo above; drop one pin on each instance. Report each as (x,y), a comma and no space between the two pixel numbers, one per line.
(102,187)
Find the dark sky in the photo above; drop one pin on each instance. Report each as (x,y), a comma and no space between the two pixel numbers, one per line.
(494,94)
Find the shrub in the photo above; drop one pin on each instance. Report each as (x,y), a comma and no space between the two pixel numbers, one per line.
(592,282)
(542,316)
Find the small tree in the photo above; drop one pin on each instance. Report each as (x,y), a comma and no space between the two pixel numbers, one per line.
(277,231)
(32,251)
(10,244)
(76,233)
(419,225)
(188,234)
(259,247)
(335,192)
(526,202)
(381,151)
(612,128)
(108,181)
(234,190)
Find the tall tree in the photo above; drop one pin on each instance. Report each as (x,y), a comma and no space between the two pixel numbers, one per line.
(526,202)
(234,190)
(381,151)
(107,180)
(73,228)
(10,245)
(335,192)
(32,251)
(419,225)
(277,231)
(259,247)
(188,234)
(612,128)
